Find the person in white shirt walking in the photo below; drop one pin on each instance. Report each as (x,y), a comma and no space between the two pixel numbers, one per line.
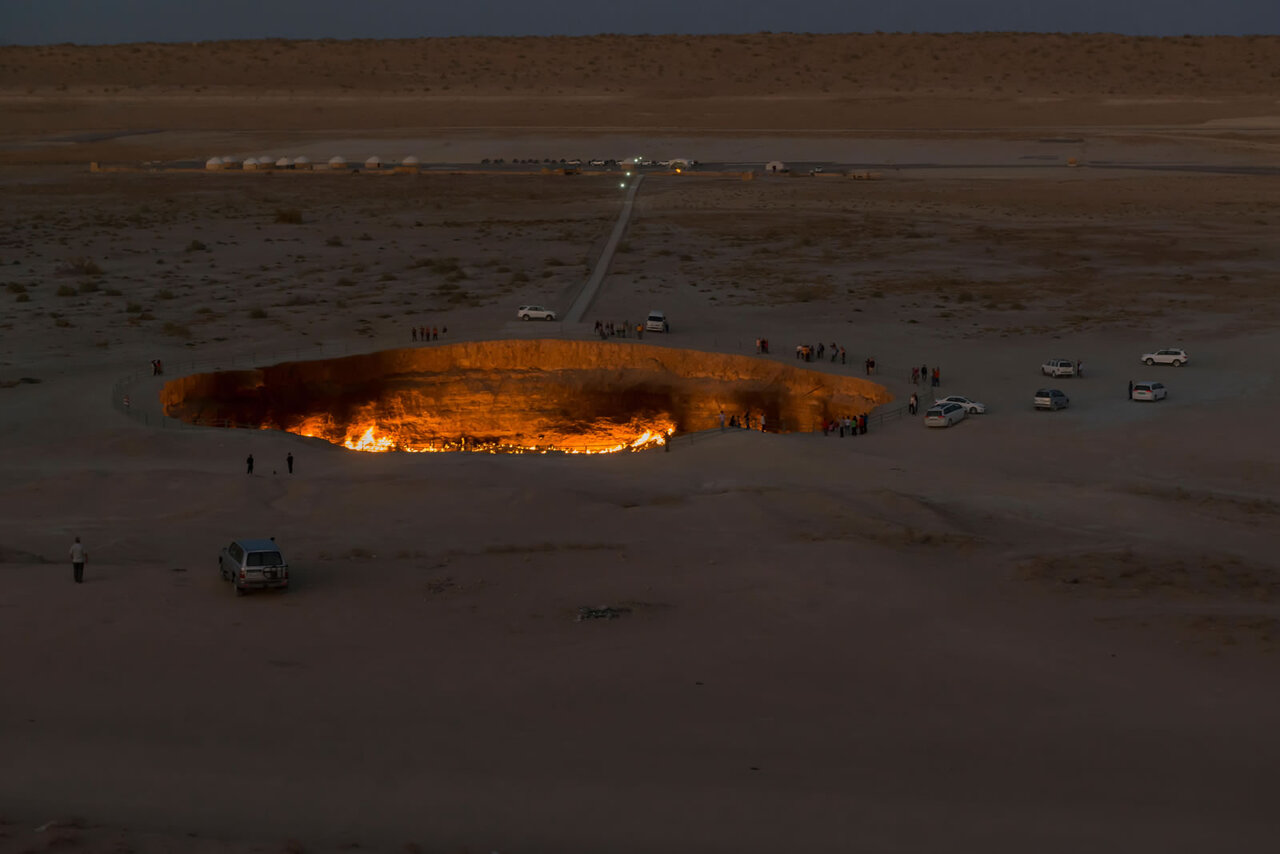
(78,554)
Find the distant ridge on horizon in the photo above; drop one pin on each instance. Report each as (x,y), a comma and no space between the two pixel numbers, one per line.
(762,82)
(998,65)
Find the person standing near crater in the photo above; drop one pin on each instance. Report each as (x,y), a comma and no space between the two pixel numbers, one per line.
(249,464)
(78,556)
(289,462)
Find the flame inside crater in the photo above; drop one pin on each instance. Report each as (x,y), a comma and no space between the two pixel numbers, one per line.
(517,396)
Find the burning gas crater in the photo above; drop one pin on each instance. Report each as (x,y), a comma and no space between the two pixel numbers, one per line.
(584,397)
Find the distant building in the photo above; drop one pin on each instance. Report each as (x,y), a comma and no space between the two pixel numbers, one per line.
(337,161)
(374,162)
(213,163)
(775,166)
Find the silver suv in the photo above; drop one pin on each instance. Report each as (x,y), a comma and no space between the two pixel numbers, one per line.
(535,312)
(253,565)
(1051,398)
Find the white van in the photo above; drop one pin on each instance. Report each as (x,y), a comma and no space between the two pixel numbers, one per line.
(657,322)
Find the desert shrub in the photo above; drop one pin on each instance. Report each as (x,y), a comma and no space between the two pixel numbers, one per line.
(112,292)
(177,330)
(257,313)
(291,216)
(519,276)
(83,267)
(196,246)
(387,277)
(164,293)
(333,241)
(22,298)
(66,291)
(88,287)
(344,282)
(133,308)
(17,288)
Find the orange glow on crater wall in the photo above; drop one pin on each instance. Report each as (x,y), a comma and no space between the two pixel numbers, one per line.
(518,396)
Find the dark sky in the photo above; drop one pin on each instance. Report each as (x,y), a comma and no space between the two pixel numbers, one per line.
(110,21)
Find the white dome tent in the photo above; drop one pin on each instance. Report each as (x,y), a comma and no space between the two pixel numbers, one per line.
(284,163)
(302,161)
(213,163)
(410,161)
(250,164)
(374,162)
(337,161)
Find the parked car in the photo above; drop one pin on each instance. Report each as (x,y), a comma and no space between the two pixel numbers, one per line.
(535,312)
(971,407)
(1051,398)
(657,322)
(1058,368)
(1175,356)
(253,565)
(1149,391)
(944,415)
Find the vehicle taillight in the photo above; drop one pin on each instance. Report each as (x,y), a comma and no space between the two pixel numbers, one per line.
(242,572)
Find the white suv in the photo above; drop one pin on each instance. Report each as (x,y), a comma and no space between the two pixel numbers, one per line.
(535,312)
(656,322)
(1058,368)
(1173,356)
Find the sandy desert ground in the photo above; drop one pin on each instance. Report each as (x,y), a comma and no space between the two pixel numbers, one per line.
(1031,631)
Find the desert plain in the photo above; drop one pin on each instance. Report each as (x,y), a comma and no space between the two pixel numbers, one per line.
(1049,631)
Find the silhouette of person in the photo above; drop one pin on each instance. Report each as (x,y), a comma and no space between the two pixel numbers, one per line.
(78,555)
(289,462)
(249,464)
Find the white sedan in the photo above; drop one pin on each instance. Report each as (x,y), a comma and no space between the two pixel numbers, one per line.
(1175,356)
(944,415)
(971,407)
(535,312)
